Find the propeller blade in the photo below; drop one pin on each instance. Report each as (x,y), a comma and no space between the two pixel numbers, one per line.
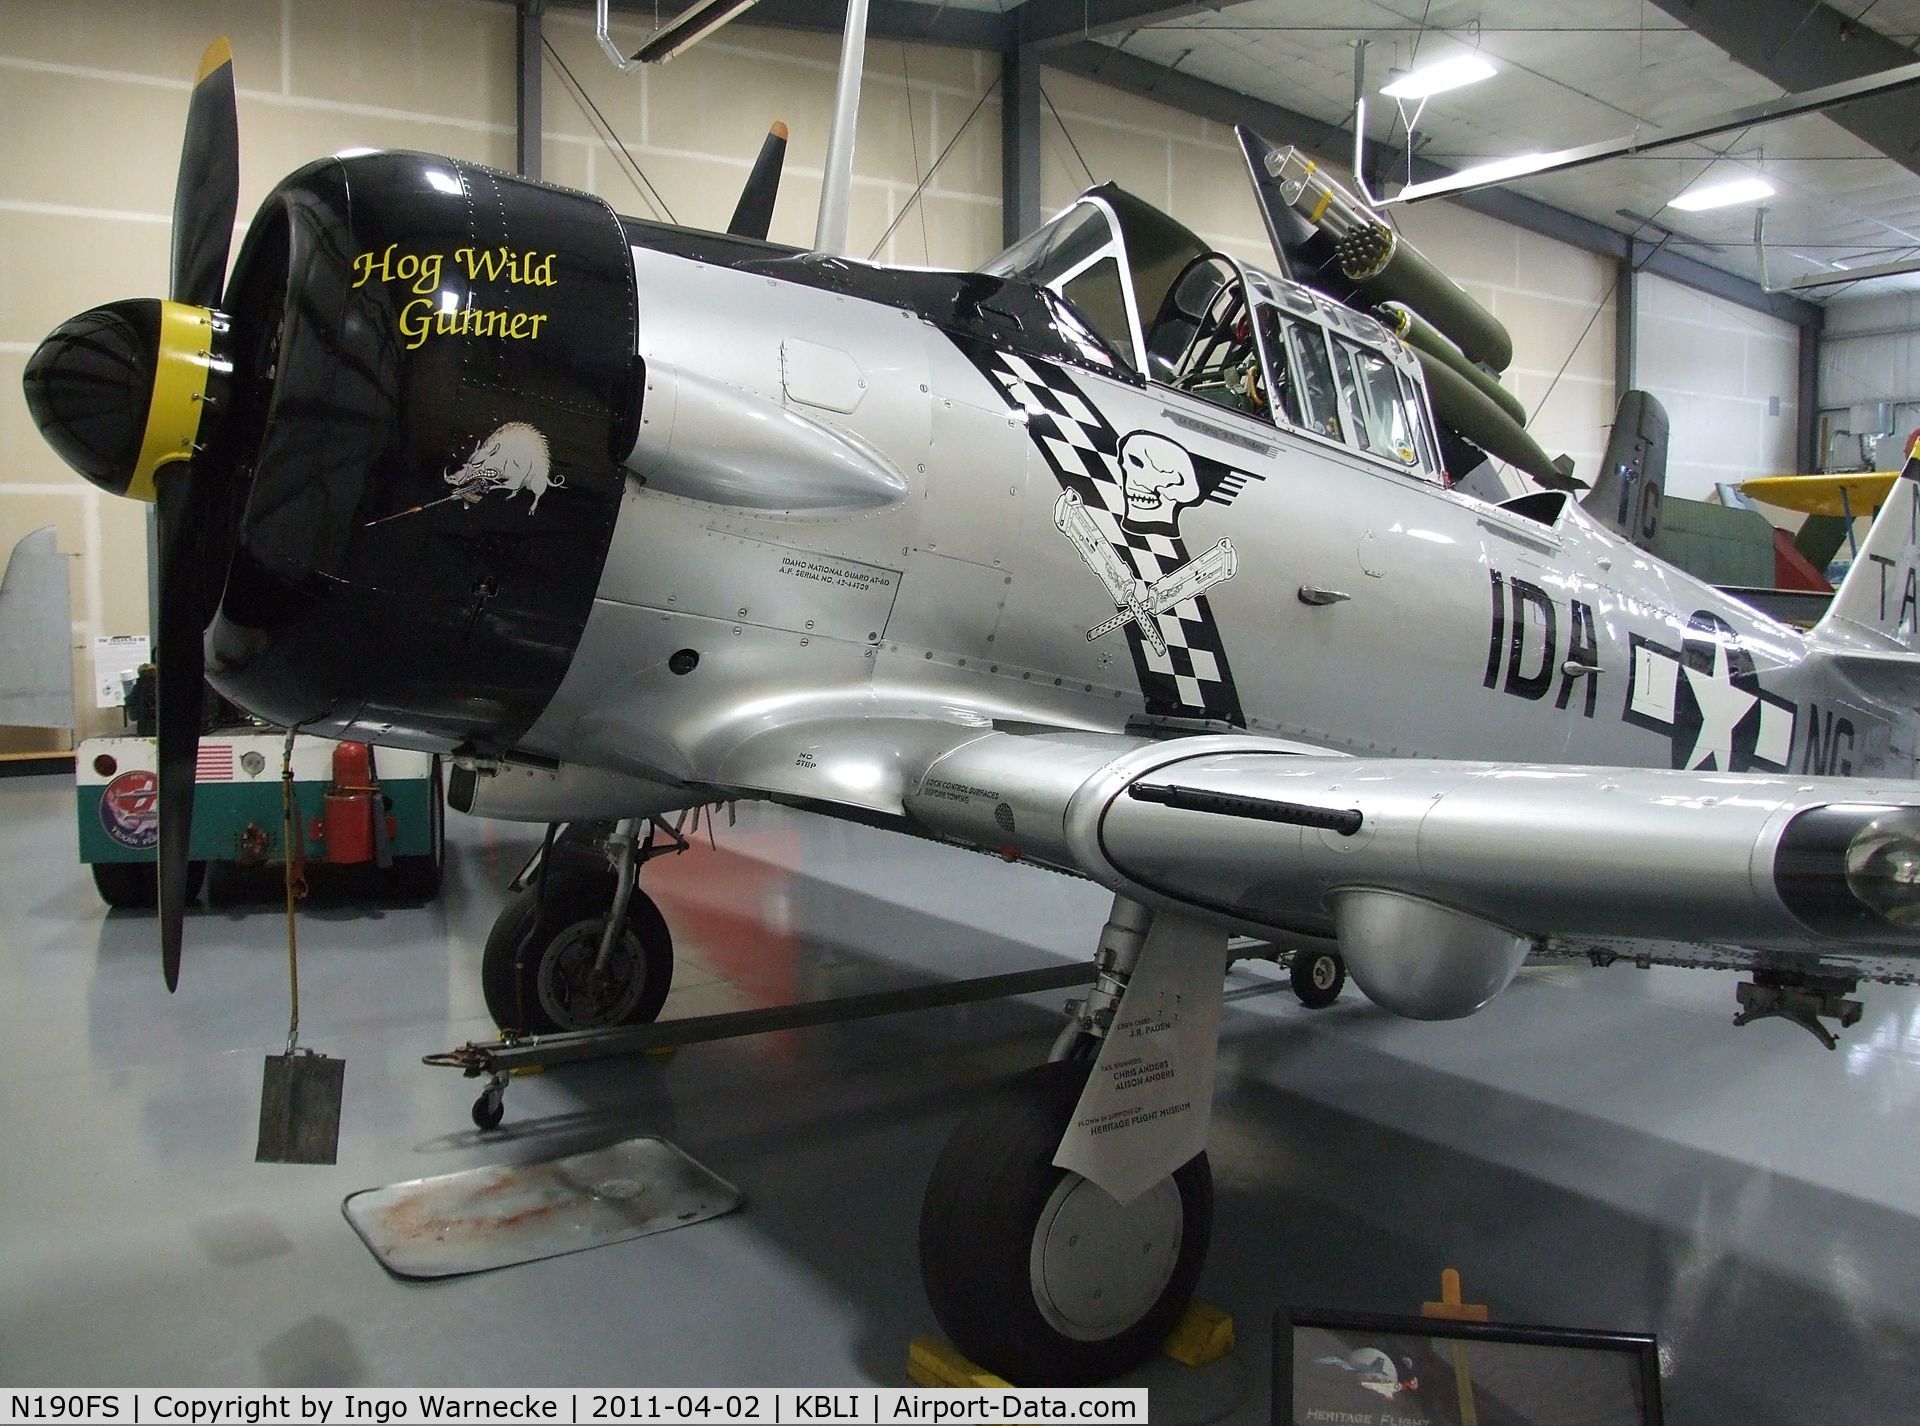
(753,215)
(180,664)
(207,194)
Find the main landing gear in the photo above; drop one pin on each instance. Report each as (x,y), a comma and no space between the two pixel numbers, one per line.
(1039,1274)
(1045,1273)
(580,946)
(578,965)
(1033,1270)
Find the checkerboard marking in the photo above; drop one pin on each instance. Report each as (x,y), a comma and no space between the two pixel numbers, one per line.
(1192,680)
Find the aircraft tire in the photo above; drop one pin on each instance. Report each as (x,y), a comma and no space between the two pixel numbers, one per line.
(135,886)
(1000,1227)
(1318,977)
(531,970)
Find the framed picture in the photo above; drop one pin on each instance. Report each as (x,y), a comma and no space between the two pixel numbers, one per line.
(1354,1369)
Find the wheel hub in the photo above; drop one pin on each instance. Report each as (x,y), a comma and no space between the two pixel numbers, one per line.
(1323,972)
(1098,1266)
(572,995)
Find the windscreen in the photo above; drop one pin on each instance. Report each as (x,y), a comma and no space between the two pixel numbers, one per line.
(1078,257)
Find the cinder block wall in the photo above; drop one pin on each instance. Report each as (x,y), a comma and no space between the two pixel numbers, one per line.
(1730,380)
(1556,300)
(93,95)
(692,127)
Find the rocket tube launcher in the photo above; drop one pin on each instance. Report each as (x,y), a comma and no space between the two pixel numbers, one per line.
(1385,267)
(1467,409)
(1418,333)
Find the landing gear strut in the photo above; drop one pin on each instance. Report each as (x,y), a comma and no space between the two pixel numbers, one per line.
(580,946)
(1034,1271)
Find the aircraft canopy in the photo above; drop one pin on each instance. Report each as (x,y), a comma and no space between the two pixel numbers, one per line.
(1201,322)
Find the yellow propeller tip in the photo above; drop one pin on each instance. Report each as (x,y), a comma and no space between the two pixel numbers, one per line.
(779,129)
(218,53)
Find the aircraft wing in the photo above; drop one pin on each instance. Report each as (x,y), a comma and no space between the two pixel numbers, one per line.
(1859,494)
(1893,968)
(1439,877)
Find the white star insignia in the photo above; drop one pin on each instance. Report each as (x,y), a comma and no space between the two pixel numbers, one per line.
(1722,706)
(1713,709)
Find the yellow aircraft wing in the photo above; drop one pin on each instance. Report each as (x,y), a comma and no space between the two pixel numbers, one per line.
(1855,494)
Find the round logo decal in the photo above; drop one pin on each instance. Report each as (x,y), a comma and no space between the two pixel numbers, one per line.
(130,809)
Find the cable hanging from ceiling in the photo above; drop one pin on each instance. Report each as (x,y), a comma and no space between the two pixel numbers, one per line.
(611,138)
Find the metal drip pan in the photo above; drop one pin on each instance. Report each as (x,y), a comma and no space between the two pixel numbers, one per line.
(500,1215)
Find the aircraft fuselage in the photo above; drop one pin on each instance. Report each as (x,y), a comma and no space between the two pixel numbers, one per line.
(1357,607)
(722,490)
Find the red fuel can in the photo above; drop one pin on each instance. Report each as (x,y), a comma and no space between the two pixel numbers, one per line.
(350,805)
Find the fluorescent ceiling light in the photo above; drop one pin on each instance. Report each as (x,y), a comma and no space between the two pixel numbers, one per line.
(1495,169)
(1440,76)
(687,28)
(1749,189)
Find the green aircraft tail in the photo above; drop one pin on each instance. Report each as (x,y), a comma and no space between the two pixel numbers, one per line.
(1627,494)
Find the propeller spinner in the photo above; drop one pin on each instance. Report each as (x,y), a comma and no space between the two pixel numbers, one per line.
(128,394)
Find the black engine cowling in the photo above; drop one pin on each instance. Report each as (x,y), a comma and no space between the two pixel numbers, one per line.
(435,374)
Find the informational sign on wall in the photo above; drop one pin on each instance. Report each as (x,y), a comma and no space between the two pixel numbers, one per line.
(116,659)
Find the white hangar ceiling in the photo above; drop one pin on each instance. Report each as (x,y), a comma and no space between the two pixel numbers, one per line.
(1847,181)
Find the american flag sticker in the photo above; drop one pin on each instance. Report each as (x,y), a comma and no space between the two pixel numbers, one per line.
(215,763)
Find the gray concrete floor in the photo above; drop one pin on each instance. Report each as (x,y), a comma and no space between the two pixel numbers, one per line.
(1598,1148)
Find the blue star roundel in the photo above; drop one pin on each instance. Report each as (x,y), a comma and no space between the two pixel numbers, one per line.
(1708,700)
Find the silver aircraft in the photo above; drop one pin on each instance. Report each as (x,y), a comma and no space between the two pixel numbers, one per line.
(1117,556)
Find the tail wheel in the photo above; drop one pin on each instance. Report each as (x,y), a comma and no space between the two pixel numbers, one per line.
(1318,977)
(537,972)
(1034,1272)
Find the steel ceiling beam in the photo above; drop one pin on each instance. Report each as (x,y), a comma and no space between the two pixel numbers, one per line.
(928,24)
(1801,45)
(1133,75)
(1787,106)
(1626,326)
(527,127)
(1019,142)
(1047,23)
(1807,437)
(1059,26)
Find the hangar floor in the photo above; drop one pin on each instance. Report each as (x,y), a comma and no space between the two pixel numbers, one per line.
(1598,1148)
